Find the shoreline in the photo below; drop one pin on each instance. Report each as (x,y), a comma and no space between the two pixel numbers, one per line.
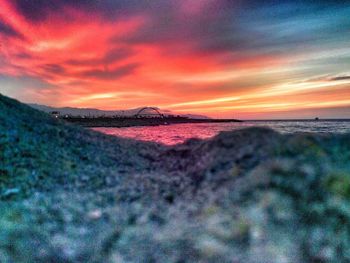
(132,122)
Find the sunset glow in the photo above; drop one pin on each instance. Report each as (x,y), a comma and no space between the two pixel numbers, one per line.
(240,59)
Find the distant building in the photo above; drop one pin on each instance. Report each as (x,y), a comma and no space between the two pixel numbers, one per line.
(55,114)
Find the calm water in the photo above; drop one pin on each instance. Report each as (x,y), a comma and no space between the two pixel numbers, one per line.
(178,133)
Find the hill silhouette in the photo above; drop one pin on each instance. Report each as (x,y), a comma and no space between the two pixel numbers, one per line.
(98,113)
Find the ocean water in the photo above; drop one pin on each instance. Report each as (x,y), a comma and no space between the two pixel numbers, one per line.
(178,133)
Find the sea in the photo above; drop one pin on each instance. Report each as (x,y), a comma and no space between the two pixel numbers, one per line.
(178,133)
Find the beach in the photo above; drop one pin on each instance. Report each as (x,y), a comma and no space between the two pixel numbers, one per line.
(70,194)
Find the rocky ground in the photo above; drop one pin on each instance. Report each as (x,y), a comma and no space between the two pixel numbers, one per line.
(74,195)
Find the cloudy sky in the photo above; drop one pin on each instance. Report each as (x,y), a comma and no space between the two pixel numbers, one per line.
(223,58)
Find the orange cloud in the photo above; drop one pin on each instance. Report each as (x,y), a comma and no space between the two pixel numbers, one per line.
(177,59)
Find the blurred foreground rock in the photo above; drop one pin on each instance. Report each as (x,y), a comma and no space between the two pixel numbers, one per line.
(74,195)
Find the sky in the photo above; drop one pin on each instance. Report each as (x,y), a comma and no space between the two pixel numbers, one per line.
(244,59)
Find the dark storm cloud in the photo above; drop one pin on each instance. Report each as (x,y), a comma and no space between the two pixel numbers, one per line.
(236,30)
(254,27)
(9,31)
(339,78)
(329,77)
(53,69)
(109,57)
(37,10)
(23,55)
(117,73)
(275,29)
(167,24)
(225,26)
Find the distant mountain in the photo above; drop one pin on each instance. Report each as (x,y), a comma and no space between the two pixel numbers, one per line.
(194,116)
(98,113)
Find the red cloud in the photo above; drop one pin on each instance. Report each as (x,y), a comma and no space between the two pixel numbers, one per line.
(190,58)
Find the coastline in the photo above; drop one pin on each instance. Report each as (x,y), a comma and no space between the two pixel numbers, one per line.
(133,121)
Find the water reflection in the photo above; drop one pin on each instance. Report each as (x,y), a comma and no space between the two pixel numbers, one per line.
(178,133)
